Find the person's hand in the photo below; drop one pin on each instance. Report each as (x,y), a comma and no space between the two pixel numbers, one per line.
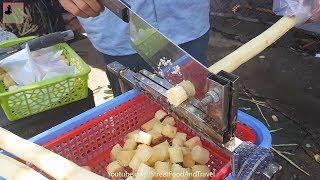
(82,8)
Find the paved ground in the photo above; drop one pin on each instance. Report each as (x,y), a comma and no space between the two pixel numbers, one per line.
(282,74)
(98,82)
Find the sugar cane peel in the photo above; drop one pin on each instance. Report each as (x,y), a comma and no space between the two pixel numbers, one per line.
(49,162)
(255,46)
(13,169)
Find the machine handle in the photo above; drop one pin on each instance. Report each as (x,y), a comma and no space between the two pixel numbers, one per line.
(37,43)
(118,7)
(50,40)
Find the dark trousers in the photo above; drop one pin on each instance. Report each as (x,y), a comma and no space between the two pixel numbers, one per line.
(198,48)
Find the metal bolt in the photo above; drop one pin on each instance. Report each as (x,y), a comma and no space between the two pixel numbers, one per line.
(215,96)
(206,100)
(211,97)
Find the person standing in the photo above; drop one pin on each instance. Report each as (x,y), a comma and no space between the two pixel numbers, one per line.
(185,22)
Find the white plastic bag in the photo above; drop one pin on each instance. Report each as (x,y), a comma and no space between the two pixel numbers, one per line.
(301,9)
(53,66)
(5,35)
(21,68)
(25,67)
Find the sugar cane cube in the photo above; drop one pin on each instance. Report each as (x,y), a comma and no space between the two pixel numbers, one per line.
(169,131)
(162,170)
(317,158)
(195,141)
(168,161)
(185,150)
(176,95)
(175,154)
(145,172)
(124,157)
(188,161)
(130,178)
(135,163)
(8,81)
(188,87)
(169,120)
(144,138)
(156,136)
(182,136)
(158,154)
(166,157)
(114,170)
(2,71)
(200,172)
(200,155)
(158,127)
(144,152)
(114,152)
(164,146)
(149,125)
(177,142)
(133,135)
(160,114)
(130,144)
(180,173)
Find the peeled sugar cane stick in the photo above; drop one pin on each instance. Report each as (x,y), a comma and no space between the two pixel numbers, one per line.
(255,46)
(180,93)
(188,87)
(177,95)
(49,162)
(13,169)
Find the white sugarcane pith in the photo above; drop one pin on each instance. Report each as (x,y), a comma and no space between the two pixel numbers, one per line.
(49,162)
(13,169)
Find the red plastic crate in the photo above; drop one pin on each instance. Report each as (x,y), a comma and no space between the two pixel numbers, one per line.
(90,144)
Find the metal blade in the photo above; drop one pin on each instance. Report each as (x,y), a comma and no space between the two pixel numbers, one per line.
(175,65)
(168,59)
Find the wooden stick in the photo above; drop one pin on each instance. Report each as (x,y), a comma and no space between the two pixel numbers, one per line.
(258,106)
(254,47)
(49,162)
(13,169)
(284,145)
(287,153)
(275,130)
(263,116)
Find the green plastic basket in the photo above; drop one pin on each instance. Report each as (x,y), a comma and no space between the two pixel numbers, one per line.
(38,97)
(15,41)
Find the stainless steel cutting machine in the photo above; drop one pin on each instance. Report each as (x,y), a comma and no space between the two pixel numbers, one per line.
(211,110)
